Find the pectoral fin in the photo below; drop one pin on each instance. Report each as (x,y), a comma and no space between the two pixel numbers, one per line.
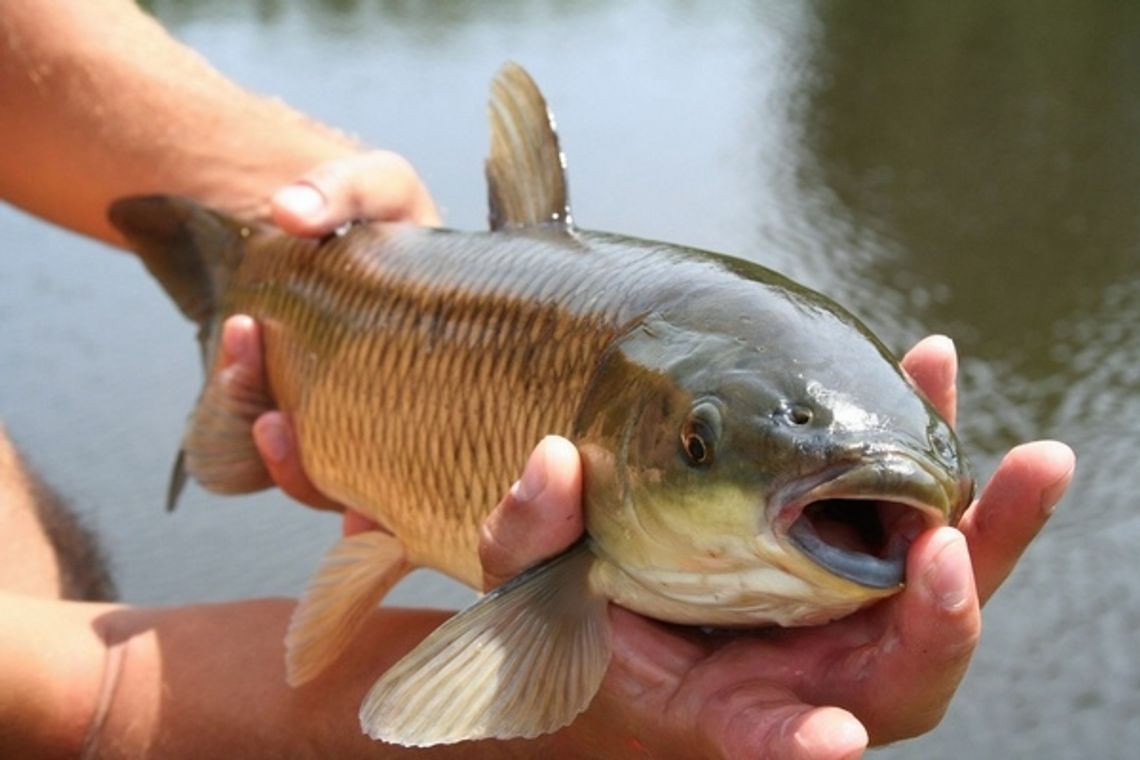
(352,579)
(523,661)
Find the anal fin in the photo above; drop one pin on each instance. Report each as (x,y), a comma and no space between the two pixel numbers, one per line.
(522,661)
(352,579)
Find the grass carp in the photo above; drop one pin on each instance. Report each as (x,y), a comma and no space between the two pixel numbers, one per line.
(752,454)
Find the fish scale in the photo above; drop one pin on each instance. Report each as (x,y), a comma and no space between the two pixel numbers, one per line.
(437,369)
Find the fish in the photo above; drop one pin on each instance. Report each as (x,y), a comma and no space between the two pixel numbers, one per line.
(752,454)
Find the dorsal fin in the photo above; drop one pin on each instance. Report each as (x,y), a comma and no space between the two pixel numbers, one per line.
(526,171)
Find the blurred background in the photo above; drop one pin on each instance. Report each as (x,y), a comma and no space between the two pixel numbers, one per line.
(969,168)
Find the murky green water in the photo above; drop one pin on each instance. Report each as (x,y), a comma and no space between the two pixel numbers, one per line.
(969,168)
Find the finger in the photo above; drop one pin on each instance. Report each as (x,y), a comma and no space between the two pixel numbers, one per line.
(933,365)
(818,733)
(241,344)
(764,721)
(243,376)
(900,677)
(539,517)
(277,445)
(376,186)
(937,624)
(240,379)
(1013,507)
(352,522)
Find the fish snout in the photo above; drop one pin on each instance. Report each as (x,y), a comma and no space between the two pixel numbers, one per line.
(858,520)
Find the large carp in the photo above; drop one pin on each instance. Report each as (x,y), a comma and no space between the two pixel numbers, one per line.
(752,453)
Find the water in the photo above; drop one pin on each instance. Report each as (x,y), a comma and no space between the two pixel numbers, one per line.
(967,168)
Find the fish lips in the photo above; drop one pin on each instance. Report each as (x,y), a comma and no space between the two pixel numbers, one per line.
(858,521)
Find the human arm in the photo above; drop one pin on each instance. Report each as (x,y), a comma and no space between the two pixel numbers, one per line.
(193,681)
(100,102)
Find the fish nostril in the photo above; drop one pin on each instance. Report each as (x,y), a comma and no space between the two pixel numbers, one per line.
(797,414)
(800,414)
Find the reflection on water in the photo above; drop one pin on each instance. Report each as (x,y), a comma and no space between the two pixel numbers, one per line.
(995,153)
(990,159)
(962,167)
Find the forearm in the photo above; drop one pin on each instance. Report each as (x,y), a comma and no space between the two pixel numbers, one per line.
(51,666)
(99,102)
(210,680)
(29,563)
(194,681)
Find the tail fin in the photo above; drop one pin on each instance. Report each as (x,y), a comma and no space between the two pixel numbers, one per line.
(189,249)
(193,251)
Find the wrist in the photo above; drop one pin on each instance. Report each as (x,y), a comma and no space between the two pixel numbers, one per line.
(53,665)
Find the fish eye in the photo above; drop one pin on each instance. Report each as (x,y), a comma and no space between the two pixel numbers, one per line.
(695,447)
(700,432)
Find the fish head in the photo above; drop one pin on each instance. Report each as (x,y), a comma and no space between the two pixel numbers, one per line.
(776,471)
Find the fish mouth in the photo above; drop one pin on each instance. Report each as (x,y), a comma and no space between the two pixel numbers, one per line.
(859,522)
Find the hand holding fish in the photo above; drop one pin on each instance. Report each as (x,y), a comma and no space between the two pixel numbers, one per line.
(889,671)
(376,185)
(705,687)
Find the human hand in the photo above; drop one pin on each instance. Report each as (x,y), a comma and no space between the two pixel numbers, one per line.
(376,186)
(883,674)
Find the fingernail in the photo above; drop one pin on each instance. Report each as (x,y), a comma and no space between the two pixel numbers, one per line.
(533,478)
(1051,496)
(947,579)
(271,439)
(949,368)
(303,200)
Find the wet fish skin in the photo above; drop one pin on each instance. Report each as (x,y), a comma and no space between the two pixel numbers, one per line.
(423,367)
(714,402)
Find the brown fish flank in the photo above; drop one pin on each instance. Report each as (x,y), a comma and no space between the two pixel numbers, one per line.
(451,367)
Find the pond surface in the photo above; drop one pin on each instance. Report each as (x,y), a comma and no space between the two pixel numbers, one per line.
(966,168)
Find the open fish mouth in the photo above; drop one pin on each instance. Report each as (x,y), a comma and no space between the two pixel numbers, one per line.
(859,523)
(862,540)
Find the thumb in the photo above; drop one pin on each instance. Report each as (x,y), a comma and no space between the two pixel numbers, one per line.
(761,721)
(375,186)
(539,517)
